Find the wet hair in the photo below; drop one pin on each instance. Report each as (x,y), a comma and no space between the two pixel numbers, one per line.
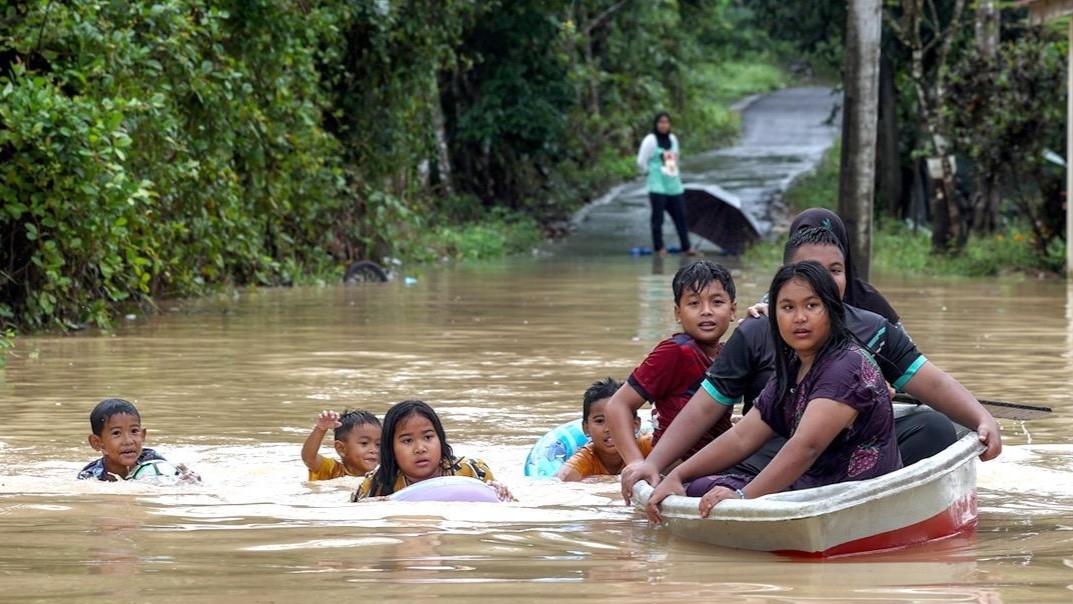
(599,391)
(106,410)
(819,279)
(810,235)
(388,470)
(352,419)
(699,275)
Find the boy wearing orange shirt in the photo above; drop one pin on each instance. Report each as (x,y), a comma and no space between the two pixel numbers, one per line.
(599,457)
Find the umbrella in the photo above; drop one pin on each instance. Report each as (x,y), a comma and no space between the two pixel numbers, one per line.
(716,215)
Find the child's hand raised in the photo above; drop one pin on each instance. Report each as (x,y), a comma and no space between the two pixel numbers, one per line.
(328,420)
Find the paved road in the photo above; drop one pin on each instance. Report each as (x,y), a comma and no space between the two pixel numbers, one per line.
(784,134)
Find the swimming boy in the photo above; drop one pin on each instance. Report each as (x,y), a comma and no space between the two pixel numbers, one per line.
(704,306)
(357,441)
(118,434)
(599,457)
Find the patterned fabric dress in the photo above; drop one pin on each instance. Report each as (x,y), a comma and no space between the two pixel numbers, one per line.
(865,450)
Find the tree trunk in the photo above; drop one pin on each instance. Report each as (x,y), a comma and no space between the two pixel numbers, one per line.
(987,27)
(888,157)
(591,71)
(856,187)
(986,195)
(931,99)
(443,155)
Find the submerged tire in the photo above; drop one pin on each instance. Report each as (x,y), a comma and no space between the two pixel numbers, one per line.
(364,271)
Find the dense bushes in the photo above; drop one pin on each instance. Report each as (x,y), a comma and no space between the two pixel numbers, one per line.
(165,148)
(151,149)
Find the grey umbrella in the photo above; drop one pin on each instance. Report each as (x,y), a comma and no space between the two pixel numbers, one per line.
(715,214)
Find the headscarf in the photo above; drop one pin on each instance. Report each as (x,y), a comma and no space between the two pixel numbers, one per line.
(859,292)
(662,140)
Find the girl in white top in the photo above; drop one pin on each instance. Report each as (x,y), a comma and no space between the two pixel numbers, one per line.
(658,157)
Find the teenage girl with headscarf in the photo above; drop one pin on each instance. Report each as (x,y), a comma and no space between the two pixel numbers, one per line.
(658,157)
(859,293)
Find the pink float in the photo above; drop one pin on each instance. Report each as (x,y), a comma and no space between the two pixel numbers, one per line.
(447,488)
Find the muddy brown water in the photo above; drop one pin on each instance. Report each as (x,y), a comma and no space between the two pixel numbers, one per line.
(503,351)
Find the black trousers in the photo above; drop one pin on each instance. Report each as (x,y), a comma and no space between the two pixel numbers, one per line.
(675,205)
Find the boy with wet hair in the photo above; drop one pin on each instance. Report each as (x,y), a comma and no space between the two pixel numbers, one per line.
(599,457)
(704,306)
(118,434)
(357,441)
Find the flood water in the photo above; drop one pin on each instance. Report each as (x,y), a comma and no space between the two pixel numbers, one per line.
(503,351)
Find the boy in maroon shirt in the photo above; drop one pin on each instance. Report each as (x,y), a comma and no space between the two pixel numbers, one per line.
(704,306)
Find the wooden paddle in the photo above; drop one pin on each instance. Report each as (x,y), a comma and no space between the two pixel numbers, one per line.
(999,409)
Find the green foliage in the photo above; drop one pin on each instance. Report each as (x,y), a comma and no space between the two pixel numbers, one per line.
(815,30)
(7,342)
(173,147)
(153,149)
(1011,108)
(499,234)
(898,248)
(818,189)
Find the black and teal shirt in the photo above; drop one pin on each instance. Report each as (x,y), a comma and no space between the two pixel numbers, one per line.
(747,360)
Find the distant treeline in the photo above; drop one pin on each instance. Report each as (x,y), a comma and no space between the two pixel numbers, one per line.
(973,82)
(166,148)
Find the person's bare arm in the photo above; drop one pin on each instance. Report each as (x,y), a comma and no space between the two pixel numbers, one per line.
(821,423)
(620,411)
(947,396)
(700,413)
(568,473)
(327,420)
(734,445)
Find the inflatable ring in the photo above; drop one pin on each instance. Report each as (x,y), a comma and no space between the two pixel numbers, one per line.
(447,488)
(555,447)
(156,470)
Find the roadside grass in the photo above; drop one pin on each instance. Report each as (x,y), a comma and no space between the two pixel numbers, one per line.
(898,248)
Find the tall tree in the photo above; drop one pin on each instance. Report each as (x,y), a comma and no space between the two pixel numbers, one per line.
(985,197)
(929,35)
(856,188)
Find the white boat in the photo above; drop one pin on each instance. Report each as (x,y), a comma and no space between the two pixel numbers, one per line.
(932,499)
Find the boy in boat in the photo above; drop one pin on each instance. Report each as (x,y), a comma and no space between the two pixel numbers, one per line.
(117,432)
(357,441)
(827,400)
(704,306)
(748,361)
(599,457)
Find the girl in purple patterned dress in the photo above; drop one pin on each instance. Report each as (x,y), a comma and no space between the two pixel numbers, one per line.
(827,397)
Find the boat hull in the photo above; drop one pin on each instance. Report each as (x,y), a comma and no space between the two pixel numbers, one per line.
(929,500)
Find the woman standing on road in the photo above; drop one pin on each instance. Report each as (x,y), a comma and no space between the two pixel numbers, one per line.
(658,157)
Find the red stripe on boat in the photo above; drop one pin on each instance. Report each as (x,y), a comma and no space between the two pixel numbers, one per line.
(959,517)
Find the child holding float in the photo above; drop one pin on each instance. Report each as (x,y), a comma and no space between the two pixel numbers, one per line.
(413,449)
(600,457)
(704,306)
(357,441)
(117,432)
(828,397)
